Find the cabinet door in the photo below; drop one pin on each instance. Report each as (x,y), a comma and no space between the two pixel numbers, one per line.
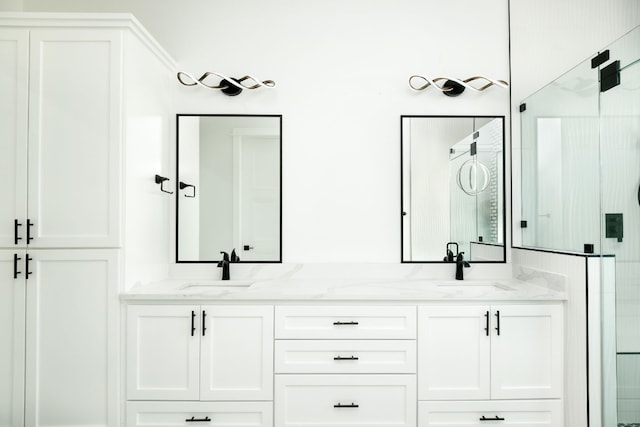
(163,345)
(526,352)
(453,353)
(540,413)
(237,353)
(74,137)
(72,338)
(12,315)
(14,73)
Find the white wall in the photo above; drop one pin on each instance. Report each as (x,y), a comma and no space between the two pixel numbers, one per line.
(341,69)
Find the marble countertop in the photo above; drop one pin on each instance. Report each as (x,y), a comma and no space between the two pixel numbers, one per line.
(309,290)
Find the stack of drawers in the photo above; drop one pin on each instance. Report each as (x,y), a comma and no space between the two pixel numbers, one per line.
(345,366)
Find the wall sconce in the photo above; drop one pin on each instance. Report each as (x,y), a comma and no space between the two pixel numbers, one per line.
(227,85)
(453,87)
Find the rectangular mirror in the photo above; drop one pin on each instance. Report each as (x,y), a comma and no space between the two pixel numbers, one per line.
(453,188)
(229,187)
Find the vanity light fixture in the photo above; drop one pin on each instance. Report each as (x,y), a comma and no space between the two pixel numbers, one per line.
(454,87)
(228,85)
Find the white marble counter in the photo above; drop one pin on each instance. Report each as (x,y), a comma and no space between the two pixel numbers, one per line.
(309,290)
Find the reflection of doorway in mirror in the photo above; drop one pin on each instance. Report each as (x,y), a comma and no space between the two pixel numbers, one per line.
(256,183)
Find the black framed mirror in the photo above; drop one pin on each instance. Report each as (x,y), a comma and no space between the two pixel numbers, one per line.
(229,187)
(453,188)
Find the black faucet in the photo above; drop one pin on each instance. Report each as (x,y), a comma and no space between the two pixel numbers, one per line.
(224,263)
(450,256)
(460,264)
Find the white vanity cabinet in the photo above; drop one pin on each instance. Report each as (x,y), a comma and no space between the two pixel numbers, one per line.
(84,127)
(485,361)
(199,353)
(345,366)
(58,358)
(490,352)
(60,132)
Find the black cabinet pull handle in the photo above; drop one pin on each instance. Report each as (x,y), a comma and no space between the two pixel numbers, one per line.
(346,358)
(16,258)
(204,322)
(486,327)
(28,272)
(340,405)
(193,322)
(29,225)
(498,322)
(344,323)
(198,420)
(496,418)
(16,238)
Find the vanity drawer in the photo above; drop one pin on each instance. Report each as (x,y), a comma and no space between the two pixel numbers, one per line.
(543,413)
(218,414)
(345,356)
(345,322)
(345,400)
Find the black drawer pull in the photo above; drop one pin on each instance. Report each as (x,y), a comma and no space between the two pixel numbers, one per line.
(16,258)
(340,405)
(16,238)
(346,358)
(204,322)
(497,328)
(344,323)
(486,328)
(496,418)
(198,420)
(26,263)
(29,225)
(193,322)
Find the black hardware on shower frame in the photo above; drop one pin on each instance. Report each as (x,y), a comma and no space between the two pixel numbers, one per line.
(614,226)
(523,107)
(183,185)
(161,180)
(610,76)
(600,59)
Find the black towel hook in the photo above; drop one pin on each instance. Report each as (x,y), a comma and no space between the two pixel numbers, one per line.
(160,180)
(183,185)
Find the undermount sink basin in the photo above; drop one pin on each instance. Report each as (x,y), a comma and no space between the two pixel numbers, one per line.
(475,285)
(218,284)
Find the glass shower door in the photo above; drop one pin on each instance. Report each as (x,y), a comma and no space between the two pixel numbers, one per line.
(620,210)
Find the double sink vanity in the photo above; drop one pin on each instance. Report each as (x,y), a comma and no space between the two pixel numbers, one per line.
(311,352)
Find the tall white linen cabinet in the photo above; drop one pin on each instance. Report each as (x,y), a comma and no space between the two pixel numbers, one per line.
(85,125)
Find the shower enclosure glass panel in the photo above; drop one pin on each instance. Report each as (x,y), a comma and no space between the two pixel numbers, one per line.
(620,204)
(560,182)
(581,185)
